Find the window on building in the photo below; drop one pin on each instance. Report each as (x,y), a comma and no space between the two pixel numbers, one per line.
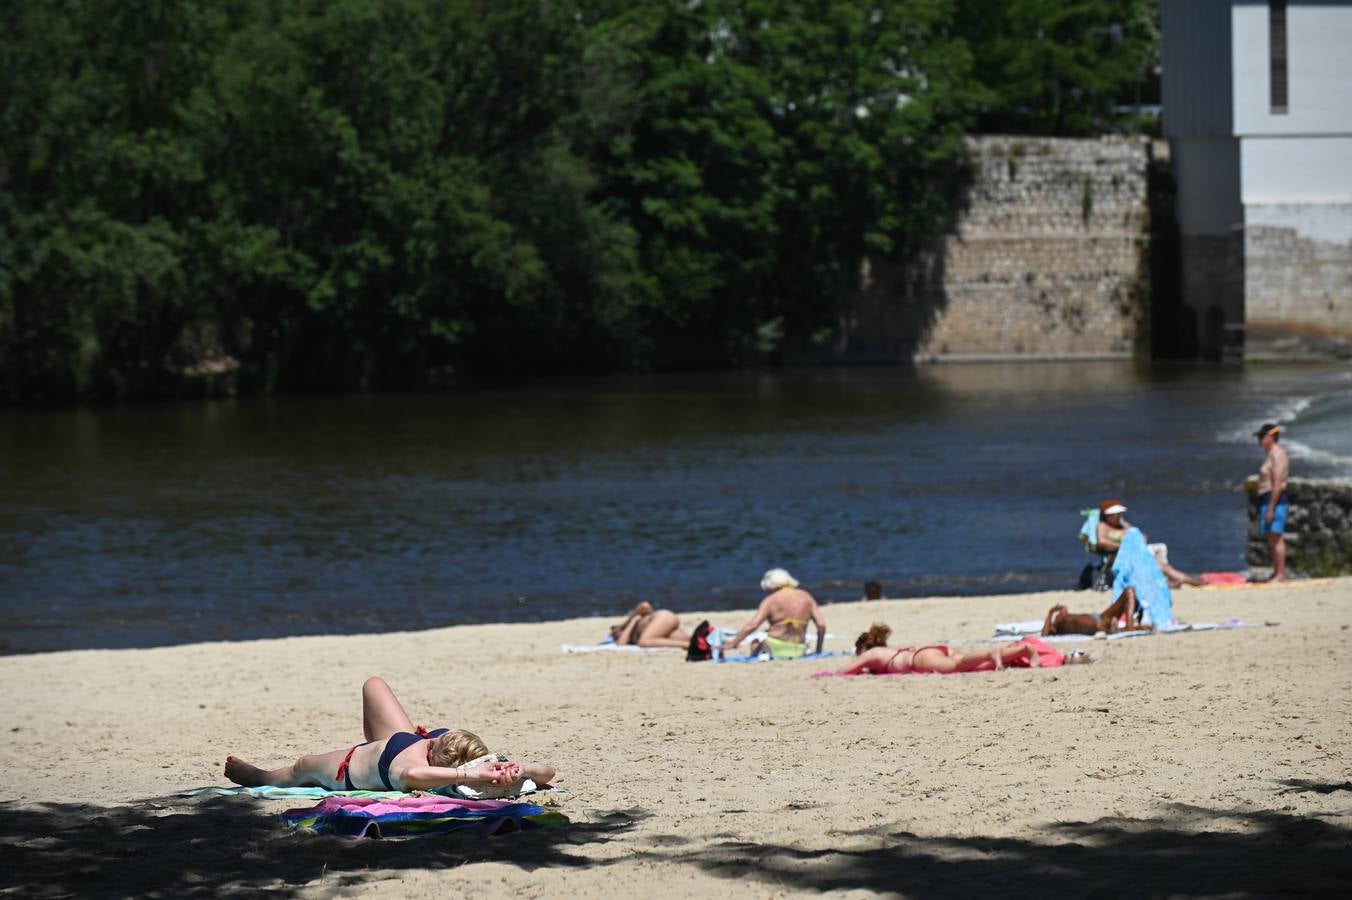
(1277,55)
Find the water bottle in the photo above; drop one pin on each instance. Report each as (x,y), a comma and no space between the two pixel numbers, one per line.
(716,644)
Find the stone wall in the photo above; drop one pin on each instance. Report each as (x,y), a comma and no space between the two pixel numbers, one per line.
(1047,257)
(1046,260)
(1318,527)
(1297,294)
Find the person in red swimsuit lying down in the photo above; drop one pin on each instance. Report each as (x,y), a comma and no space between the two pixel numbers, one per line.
(872,654)
(396,756)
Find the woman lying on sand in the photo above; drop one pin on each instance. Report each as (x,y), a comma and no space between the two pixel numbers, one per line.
(1060,620)
(648,627)
(395,757)
(873,655)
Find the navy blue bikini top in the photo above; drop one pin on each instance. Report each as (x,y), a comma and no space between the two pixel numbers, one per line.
(398,743)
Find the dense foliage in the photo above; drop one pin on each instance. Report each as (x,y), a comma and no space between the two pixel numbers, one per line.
(1061,67)
(306,194)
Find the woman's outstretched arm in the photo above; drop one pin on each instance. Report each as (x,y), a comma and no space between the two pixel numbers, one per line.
(427,777)
(751,625)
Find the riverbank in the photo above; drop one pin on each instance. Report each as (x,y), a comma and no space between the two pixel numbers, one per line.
(1211,762)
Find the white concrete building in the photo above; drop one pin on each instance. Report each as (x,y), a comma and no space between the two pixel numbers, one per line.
(1258,112)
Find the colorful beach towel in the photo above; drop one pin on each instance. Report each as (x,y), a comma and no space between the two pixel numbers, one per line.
(1048,658)
(416,816)
(268,792)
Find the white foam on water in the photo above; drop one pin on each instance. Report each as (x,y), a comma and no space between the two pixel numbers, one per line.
(1283,413)
(1298,450)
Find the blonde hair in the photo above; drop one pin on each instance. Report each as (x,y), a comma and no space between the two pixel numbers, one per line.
(874,637)
(775,579)
(456,748)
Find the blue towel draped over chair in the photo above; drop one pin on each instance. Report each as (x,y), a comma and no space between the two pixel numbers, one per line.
(1135,567)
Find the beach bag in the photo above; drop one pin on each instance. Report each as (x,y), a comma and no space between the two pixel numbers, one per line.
(700,650)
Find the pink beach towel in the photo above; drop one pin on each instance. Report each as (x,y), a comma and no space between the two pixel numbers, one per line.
(415,816)
(1223,579)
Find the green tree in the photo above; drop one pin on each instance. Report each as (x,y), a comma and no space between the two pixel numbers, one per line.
(92,175)
(1057,67)
(369,193)
(778,144)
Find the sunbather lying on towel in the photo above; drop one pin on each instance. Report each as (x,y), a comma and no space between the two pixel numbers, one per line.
(395,757)
(648,627)
(1060,620)
(873,655)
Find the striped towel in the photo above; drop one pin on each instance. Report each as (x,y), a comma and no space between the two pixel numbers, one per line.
(415,816)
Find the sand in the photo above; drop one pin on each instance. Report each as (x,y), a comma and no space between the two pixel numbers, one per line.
(1211,763)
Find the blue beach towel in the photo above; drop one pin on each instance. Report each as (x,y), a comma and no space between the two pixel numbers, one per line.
(1135,567)
(1089,530)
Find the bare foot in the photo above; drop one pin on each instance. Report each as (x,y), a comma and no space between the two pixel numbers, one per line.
(242,773)
(1034,662)
(999,660)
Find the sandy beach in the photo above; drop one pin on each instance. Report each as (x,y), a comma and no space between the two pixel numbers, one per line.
(1209,763)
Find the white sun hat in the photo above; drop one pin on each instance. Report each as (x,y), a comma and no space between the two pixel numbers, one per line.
(775,579)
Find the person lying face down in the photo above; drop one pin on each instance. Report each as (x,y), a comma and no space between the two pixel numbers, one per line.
(395,756)
(873,655)
(648,627)
(787,609)
(1060,620)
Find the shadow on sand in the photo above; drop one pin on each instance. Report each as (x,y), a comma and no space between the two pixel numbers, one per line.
(176,847)
(1255,853)
(219,845)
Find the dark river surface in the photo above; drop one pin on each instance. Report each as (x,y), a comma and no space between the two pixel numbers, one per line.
(224,520)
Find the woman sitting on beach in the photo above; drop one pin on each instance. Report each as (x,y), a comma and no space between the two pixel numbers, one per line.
(785,612)
(873,655)
(1122,615)
(1113,527)
(394,757)
(648,627)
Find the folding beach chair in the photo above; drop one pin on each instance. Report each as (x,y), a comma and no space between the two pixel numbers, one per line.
(1097,575)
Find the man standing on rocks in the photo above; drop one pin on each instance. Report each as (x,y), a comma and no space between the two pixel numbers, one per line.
(1272,503)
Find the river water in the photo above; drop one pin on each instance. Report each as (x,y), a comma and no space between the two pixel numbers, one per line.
(158,524)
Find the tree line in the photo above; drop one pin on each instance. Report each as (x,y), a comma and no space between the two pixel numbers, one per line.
(282,195)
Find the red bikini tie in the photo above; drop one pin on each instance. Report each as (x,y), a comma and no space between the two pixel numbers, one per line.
(421,732)
(342,766)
